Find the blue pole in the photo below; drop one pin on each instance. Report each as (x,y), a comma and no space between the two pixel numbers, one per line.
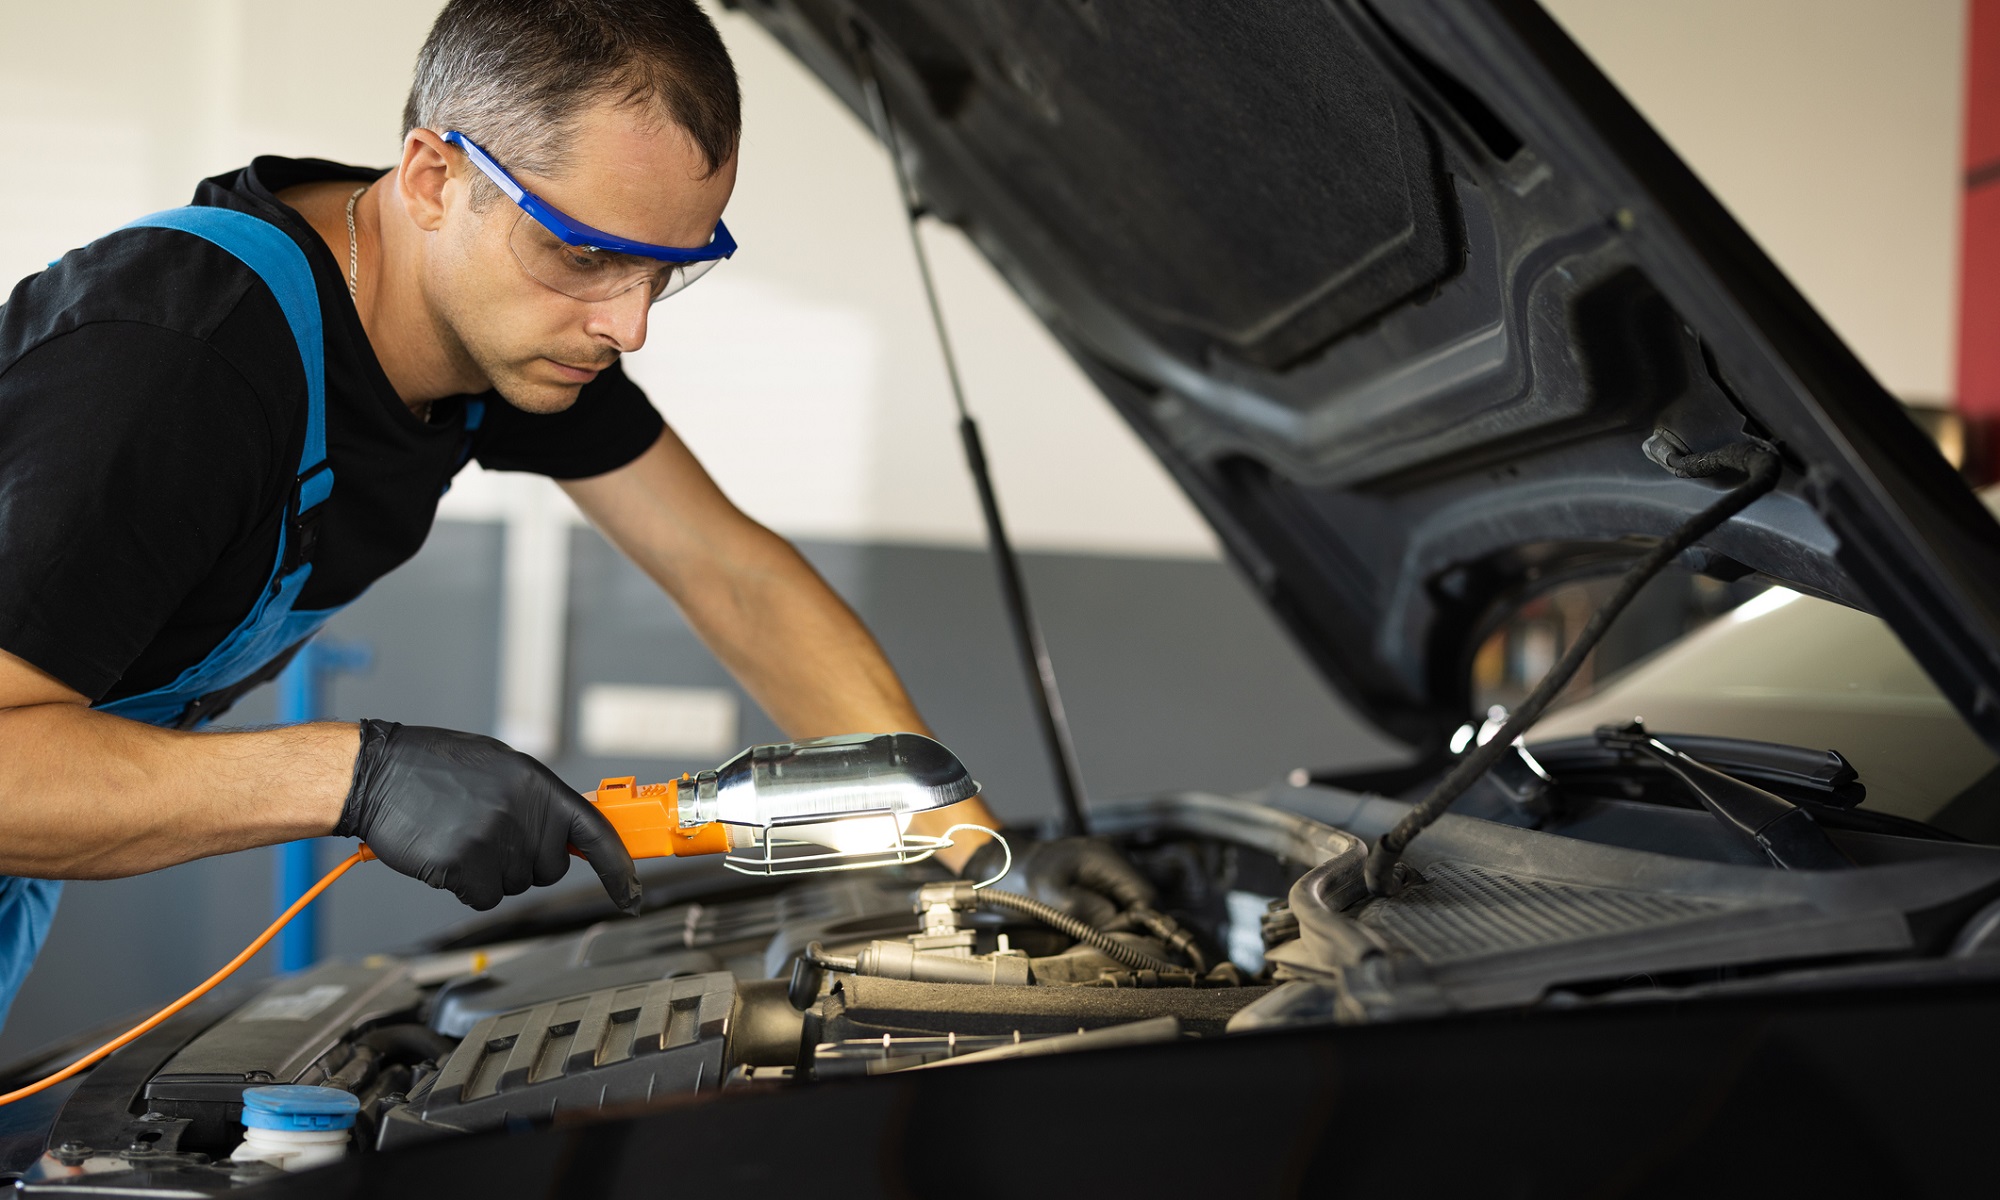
(298,702)
(302,698)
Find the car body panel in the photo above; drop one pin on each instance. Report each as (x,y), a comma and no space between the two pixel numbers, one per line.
(1400,431)
(1739,1097)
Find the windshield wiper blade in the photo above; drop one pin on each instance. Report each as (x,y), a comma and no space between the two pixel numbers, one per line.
(1822,782)
(1782,830)
(1823,778)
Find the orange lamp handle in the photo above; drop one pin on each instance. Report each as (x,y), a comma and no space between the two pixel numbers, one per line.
(648,819)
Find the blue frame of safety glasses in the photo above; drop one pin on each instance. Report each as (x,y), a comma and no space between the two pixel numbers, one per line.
(576,233)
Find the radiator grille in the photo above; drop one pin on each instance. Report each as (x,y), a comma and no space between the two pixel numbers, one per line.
(1462,911)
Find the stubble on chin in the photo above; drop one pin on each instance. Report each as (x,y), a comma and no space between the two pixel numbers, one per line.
(543,400)
(537,396)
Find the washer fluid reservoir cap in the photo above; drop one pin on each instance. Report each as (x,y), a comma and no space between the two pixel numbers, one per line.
(298,1107)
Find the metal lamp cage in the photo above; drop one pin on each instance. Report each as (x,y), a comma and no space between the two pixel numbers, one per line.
(780,855)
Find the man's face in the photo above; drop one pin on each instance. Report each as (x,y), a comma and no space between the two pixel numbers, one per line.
(629,173)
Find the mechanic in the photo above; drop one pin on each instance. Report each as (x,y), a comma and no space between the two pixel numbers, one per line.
(183,503)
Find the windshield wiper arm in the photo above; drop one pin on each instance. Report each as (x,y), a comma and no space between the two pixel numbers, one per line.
(1817,778)
(1782,830)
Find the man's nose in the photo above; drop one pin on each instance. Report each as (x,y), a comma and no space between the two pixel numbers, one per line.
(621,320)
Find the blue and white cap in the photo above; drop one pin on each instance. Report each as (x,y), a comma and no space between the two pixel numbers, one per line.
(298,1107)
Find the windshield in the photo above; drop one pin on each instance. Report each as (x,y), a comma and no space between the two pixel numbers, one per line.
(1801,671)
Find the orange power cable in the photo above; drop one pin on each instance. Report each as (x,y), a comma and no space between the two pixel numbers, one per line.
(249,952)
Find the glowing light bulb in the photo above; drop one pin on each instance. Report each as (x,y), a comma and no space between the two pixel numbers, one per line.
(854,795)
(852,835)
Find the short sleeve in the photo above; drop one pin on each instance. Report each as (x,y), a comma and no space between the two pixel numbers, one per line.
(610,424)
(131,458)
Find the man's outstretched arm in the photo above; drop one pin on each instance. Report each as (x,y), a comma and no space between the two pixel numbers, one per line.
(87,795)
(758,606)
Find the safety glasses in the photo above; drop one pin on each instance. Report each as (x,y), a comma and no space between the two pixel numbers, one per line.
(588,264)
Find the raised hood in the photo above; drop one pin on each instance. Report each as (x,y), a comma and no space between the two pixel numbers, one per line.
(1397,289)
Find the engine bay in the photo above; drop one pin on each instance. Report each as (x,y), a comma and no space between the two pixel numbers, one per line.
(1263,922)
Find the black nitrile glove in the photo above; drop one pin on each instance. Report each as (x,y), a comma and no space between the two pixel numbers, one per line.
(475,816)
(1085,877)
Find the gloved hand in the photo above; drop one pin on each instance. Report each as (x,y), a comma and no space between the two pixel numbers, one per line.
(474,816)
(1085,877)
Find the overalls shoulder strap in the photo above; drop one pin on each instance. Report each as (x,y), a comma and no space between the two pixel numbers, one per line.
(258,646)
(278,261)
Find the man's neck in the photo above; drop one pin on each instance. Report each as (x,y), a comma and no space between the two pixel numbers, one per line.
(416,350)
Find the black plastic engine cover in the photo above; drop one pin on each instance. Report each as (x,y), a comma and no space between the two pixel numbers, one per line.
(766,928)
(279,1037)
(615,1046)
(551,973)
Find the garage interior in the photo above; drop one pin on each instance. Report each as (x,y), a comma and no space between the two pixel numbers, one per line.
(519,620)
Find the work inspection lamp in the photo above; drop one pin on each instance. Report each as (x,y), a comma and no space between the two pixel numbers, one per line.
(827,804)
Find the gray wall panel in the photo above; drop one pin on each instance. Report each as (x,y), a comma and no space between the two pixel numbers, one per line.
(1173,675)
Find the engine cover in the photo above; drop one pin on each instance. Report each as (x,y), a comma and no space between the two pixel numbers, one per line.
(615,1046)
(280,1037)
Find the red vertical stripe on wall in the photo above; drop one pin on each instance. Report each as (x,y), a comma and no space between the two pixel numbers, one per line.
(1979,246)
(1979,231)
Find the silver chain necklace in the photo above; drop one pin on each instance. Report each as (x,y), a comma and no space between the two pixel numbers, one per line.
(354,275)
(354,248)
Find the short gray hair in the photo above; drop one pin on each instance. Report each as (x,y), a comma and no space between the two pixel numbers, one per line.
(515,75)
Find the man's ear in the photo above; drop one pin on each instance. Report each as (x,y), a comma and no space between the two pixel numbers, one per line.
(425,177)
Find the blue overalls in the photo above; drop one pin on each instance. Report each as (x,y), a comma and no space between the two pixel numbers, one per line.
(274,626)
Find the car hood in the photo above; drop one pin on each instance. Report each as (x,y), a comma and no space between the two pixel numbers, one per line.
(1397,291)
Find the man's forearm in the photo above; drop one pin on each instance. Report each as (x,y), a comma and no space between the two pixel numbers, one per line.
(797,648)
(760,607)
(757,604)
(814,667)
(85,795)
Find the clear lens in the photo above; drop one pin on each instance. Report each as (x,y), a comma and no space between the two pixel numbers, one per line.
(592,275)
(684,274)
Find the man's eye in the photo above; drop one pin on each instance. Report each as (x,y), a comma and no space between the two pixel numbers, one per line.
(582,260)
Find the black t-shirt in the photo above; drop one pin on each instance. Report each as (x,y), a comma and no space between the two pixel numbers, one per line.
(152,411)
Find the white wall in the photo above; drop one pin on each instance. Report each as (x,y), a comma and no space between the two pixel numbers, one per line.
(113,108)
(804,372)
(1831,129)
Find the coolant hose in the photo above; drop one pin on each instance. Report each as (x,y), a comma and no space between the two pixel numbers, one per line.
(1076,930)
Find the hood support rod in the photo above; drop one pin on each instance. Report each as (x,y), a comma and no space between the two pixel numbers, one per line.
(1013,590)
(1759,464)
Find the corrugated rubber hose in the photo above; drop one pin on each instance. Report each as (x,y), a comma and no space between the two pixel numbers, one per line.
(1077,930)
